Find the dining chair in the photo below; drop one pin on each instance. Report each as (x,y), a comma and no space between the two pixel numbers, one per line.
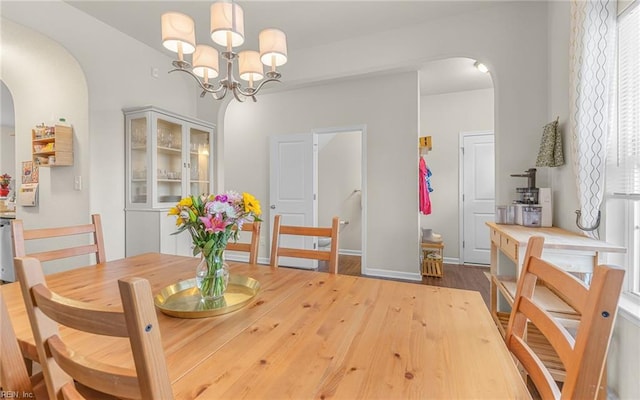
(14,376)
(330,256)
(252,246)
(62,364)
(582,344)
(20,235)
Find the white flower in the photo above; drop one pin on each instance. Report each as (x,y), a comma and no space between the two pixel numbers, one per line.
(218,207)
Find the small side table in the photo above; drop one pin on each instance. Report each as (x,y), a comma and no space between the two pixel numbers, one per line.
(432,254)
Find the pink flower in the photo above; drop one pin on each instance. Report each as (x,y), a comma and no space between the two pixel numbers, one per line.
(215,223)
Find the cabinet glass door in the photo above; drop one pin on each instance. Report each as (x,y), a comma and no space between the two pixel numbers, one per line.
(169,161)
(199,161)
(139,160)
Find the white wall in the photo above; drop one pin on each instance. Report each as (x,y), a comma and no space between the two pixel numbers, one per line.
(561,179)
(42,92)
(339,176)
(512,44)
(443,117)
(623,361)
(510,38)
(391,124)
(7,151)
(116,70)
(7,132)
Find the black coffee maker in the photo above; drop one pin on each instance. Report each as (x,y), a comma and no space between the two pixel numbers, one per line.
(529,194)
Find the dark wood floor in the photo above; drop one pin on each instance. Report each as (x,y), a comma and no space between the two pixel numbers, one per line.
(455,276)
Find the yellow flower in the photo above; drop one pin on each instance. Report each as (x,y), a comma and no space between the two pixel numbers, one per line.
(185,202)
(174,211)
(251,204)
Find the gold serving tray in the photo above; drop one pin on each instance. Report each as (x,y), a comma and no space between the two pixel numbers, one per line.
(183,299)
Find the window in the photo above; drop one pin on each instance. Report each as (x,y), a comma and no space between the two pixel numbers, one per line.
(623,158)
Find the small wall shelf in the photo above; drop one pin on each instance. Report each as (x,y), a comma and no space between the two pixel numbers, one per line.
(52,146)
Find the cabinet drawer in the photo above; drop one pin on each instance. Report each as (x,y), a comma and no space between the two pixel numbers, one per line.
(509,247)
(495,237)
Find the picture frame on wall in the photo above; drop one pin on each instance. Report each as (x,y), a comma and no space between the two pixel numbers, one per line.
(29,172)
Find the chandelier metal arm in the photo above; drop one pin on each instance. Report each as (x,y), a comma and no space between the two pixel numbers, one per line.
(206,87)
(250,92)
(236,92)
(220,96)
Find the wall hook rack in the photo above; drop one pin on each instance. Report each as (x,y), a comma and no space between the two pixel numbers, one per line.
(584,228)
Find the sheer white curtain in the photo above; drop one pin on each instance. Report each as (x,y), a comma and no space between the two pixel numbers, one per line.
(592,72)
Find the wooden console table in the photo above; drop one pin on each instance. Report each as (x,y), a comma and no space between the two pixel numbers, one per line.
(568,250)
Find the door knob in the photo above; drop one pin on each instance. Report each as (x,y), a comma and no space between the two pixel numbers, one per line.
(273,207)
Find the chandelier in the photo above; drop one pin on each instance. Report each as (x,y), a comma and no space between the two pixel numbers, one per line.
(227,30)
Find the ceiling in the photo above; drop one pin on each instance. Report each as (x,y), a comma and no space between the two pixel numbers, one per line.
(307,24)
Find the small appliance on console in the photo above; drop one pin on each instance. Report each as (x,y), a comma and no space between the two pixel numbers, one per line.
(533,208)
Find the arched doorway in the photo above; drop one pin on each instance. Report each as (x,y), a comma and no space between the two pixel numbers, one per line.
(455,97)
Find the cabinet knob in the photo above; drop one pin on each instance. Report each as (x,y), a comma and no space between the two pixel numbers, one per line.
(273,207)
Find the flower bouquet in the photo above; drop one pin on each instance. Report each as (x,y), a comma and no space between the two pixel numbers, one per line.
(5,180)
(212,220)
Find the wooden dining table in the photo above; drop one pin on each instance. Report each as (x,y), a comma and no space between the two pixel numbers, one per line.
(305,334)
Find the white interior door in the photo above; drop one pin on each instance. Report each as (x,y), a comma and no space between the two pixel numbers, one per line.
(292,190)
(478,194)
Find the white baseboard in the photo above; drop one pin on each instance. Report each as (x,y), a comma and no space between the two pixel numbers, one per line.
(245,258)
(451,260)
(385,273)
(348,252)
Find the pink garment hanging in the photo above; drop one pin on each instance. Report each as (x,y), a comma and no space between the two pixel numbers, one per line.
(425,200)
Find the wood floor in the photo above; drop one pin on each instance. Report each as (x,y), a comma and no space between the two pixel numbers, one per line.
(455,276)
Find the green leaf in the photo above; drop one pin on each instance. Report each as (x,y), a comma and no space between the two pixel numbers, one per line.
(197,203)
(192,216)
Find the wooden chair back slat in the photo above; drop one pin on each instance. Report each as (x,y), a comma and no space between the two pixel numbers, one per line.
(550,327)
(330,256)
(80,315)
(20,235)
(536,370)
(253,246)
(567,286)
(62,365)
(45,233)
(305,230)
(117,381)
(301,253)
(65,253)
(583,357)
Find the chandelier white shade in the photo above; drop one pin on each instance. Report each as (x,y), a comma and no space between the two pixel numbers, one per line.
(227,22)
(205,62)
(273,47)
(227,30)
(250,66)
(178,33)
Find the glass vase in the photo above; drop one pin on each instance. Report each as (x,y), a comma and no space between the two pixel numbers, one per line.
(212,275)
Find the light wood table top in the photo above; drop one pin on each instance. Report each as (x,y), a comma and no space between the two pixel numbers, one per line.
(307,335)
(555,238)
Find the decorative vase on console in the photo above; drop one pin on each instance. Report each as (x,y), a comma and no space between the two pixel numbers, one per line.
(212,220)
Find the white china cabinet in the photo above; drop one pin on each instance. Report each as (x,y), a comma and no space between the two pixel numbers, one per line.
(168,157)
